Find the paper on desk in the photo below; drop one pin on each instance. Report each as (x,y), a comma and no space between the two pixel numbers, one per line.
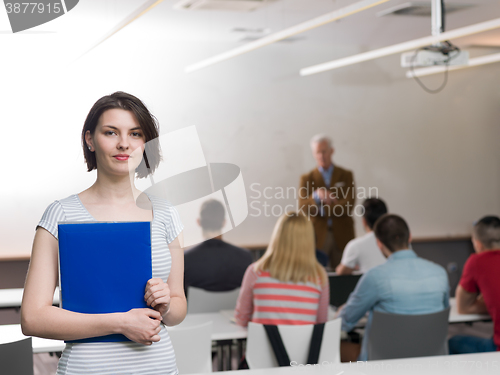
(229,314)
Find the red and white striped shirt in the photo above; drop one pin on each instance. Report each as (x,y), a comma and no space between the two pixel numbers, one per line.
(266,300)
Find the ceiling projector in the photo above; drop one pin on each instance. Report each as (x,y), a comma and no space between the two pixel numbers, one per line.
(442,54)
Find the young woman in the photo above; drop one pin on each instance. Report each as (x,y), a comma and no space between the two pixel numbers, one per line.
(287,285)
(115,140)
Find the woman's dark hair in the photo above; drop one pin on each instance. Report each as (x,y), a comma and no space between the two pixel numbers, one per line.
(149,126)
(374,208)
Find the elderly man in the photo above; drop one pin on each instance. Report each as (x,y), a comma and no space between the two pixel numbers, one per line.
(327,195)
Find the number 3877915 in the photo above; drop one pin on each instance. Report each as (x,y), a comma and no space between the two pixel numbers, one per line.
(33,7)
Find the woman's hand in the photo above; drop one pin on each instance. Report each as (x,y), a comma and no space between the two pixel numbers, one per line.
(158,296)
(142,325)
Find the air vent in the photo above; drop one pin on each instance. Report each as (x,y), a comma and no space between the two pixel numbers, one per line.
(252,30)
(420,8)
(231,5)
(255,33)
(291,39)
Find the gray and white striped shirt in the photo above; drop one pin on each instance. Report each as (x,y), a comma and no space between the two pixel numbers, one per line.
(121,357)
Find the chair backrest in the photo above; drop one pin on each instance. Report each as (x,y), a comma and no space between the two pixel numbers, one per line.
(450,254)
(405,336)
(192,347)
(202,301)
(296,339)
(17,357)
(341,286)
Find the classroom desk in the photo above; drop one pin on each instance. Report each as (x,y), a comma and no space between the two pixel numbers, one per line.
(12,298)
(466,364)
(455,317)
(462,364)
(223,328)
(12,332)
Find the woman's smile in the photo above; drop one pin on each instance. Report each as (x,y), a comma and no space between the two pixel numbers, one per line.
(121,157)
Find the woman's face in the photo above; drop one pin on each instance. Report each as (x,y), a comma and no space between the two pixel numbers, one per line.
(118,142)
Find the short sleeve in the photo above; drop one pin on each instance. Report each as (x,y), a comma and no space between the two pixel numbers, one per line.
(174,225)
(350,255)
(51,217)
(244,304)
(468,281)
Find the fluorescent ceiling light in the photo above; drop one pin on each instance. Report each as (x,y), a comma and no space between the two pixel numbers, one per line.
(144,8)
(283,34)
(483,60)
(401,47)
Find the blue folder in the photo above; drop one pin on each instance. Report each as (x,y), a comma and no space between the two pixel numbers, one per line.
(104,268)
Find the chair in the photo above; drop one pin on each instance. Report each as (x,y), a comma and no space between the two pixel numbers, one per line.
(296,339)
(202,301)
(17,357)
(192,347)
(404,336)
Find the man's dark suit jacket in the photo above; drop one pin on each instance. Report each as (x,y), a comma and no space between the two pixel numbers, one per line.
(215,265)
(342,183)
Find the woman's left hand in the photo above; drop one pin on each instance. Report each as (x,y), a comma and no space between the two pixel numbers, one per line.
(158,295)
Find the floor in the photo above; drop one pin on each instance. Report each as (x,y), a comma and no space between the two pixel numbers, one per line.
(45,364)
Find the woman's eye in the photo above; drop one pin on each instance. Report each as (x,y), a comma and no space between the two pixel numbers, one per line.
(137,135)
(109,132)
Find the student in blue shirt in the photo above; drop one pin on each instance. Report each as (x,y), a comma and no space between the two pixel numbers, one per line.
(405,284)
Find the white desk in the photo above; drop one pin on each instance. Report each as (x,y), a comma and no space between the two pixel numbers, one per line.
(223,327)
(463,364)
(12,298)
(12,332)
(455,317)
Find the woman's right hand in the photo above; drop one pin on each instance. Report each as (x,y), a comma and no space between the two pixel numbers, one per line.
(141,325)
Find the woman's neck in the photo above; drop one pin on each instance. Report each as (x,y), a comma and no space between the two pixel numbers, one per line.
(114,188)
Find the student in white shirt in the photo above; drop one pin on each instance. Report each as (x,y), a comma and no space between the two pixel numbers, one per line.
(362,253)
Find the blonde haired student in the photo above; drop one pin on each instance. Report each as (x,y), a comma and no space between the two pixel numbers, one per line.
(287,285)
(115,138)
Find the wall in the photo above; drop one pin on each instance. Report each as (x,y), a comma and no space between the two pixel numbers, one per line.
(433,158)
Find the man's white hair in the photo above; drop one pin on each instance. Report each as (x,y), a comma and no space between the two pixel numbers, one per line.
(318,138)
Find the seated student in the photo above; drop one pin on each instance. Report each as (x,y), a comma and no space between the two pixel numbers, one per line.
(214,265)
(404,284)
(479,289)
(322,258)
(363,253)
(287,285)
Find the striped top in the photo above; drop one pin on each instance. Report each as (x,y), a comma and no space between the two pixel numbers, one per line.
(266,300)
(121,357)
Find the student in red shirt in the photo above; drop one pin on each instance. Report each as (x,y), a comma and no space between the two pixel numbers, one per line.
(479,289)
